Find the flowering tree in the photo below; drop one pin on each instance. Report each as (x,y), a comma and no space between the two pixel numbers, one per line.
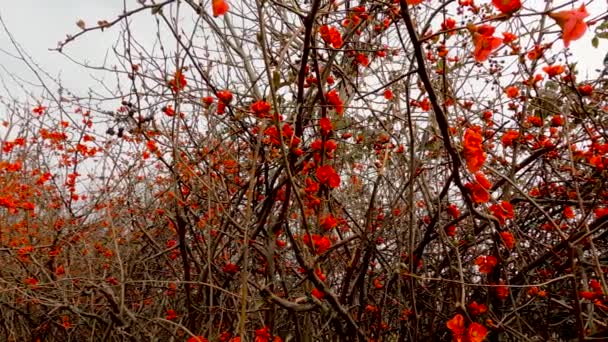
(321,170)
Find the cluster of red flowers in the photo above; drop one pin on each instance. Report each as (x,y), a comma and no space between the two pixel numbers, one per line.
(472,150)
(512,92)
(328,222)
(178,82)
(475,332)
(219,7)
(553,70)
(477,309)
(334,100)
(224,97)
(326,126)
(596,293)
(502,211)
(230,268)
(328,176)
(509,137)
(261,109)
(572,23)
(486,263)
(484,42)
(331,35)
(320,244)
(507,239)
(507,6)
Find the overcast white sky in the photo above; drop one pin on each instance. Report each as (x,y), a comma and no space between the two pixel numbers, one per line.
(38,24)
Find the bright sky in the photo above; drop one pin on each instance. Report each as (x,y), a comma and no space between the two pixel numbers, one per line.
(38,26)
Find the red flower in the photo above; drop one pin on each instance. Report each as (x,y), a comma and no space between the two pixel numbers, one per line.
(225,96)
(508,37)
(388,94)
(473,152)
(178,82)
(484,42)
(317,293)
(483,181)
(599,212)
(502,211)
(331,35)
(507,6)
(478,193)
(362,59)
(448,24)
(328,222)
(230,268)
(476,332)
(502,292)
(535,121)
(486,263)
(509,137)
(197,339)
(39,110)
(572,23)
(327,175)
(169,111)
(325,124)
(568,212)
(219,7)
(171,314)
(512,92)
(31,281)
(262,335)
(456,325)
(207,101)
(333,99)
(452,209)
(508,239)
(553,70)
(477,309)
(260,108)
(320,244)
(557,121)
(585,89)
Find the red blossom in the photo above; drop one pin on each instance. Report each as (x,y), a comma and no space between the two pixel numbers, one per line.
(502,211)
(225,96)
(197,339)
(478,193)
(262,335)
(326,126)
(320,244)
(317,293)
(328,176)
(486,263)
(331,35)
(333,99)
(507,239)
(509,137)
(571,22)
(507,6)
(219,7)
(553,70)
(328,222)
(477,309)
(178,82)
(512,92)
(171,315)
(473,151)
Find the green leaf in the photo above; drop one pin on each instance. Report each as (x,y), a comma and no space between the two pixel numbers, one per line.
(595,42)
(602,35)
